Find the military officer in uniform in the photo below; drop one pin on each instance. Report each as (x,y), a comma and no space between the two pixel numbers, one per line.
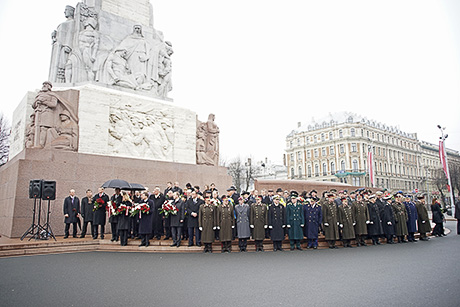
(388,219)
(313,217)
(361,214)
(423,220)
(411,219)
(330,221)
(374,228)
(276,223)
(258,222)
(347,222)
(242,212)
(400,218)
(295,221)
(225,224)
(207,224)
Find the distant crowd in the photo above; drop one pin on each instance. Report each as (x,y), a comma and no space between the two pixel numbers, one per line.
(201,217)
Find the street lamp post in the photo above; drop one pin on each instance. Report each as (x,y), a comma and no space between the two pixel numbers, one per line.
(443,138)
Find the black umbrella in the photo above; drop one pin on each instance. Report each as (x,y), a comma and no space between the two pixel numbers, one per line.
(136,187)
(116,183)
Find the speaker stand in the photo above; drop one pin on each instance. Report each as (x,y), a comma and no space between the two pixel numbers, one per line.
(47,226)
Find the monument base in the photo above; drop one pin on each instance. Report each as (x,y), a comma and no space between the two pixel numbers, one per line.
(78,171)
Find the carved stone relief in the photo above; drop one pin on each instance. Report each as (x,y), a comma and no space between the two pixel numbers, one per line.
(207,142)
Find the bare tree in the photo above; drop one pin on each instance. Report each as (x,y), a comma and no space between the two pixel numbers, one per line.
(235,170)
(440,181)
(5,131)
(454,170)
(242,173)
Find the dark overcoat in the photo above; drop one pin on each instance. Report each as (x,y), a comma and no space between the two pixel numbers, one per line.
(295,219)
(72,208)
(388,216)
(276,221)
(259,219)
(99,217)
(331,232)
(423,220)
(157,218)
(175,220)
(87,209)
(225,221)
(400,218)
(411,216)
(116,201)
(375,227)
(123,219)
(193,206)
(145,220)
(436,210)
(313,217)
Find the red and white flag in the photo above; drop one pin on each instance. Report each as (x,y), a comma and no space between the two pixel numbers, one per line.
(442,157)
(370,164)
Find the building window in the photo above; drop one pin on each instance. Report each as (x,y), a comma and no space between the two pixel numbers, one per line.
(340,133)
(292,173)
(308,154)
(300,171)
(353,147)
(309,171)
(355,165)
(323,138)
(330,135)
(292,157)
(307,140)
(341,148)
(323,151)
(342,165)
(331,150)
(299,155)
(315,139)
(353,133)
(315,152)
(324,169)
(332,168)
(316,170)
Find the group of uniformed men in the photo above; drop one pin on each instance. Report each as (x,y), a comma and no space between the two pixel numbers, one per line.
(203,218)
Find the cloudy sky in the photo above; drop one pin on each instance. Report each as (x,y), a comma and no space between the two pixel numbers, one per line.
(263,66)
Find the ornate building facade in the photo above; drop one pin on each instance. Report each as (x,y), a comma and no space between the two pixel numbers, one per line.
(336,149)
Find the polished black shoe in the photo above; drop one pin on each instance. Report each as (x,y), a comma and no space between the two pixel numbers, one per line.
(82,237)
(174,244)
(142,244)
(65,237)
(299,248)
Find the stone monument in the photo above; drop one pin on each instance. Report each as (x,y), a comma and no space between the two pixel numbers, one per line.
(105,113)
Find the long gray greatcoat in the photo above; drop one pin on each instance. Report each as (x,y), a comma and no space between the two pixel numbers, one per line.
(276,221)
(226,222)
(207,220)
(331,232)
(400,218)
(242,220)
(72,208)
(361,214)
(347,218)
(423,221)
(258,218)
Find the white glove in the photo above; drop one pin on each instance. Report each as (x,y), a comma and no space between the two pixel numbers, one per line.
(288,226)
(302,225)
(389,223)
(353,224)
(271,227)
(233,226)
(200,228)
(341,225)
(338,223)
(252,226)
(284,226)
(265,226)
(423,222)
(368,222)
(326,224)
(372,223)
(218,227)
(214,228)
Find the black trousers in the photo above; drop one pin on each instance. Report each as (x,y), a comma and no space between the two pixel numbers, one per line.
(194,232)
(145,239)
(67,228)
(85,227)
(243,243)
(95,229)
(277,245)
(123,233)
(134,226)
(458,227)
(114,227)
(438,229)
(176,232)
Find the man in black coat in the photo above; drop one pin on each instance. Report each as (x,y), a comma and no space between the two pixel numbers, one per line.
(158,201)
(99,217)
(388,220)
(113,220)
(87,212)
(192,207)
(176,221)
(71,212)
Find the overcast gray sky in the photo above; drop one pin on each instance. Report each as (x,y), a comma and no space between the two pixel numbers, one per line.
(263,66)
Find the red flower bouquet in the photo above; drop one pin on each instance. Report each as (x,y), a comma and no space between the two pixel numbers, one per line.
(168,208)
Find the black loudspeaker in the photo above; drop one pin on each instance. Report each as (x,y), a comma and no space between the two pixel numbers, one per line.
(35,189)
(49,190)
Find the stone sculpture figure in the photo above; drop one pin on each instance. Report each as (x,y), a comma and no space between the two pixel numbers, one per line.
(54,121)
(89,44)
(62,46)
(118,70)
(208,142)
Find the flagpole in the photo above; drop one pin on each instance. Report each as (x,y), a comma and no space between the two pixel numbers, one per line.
(443,139)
